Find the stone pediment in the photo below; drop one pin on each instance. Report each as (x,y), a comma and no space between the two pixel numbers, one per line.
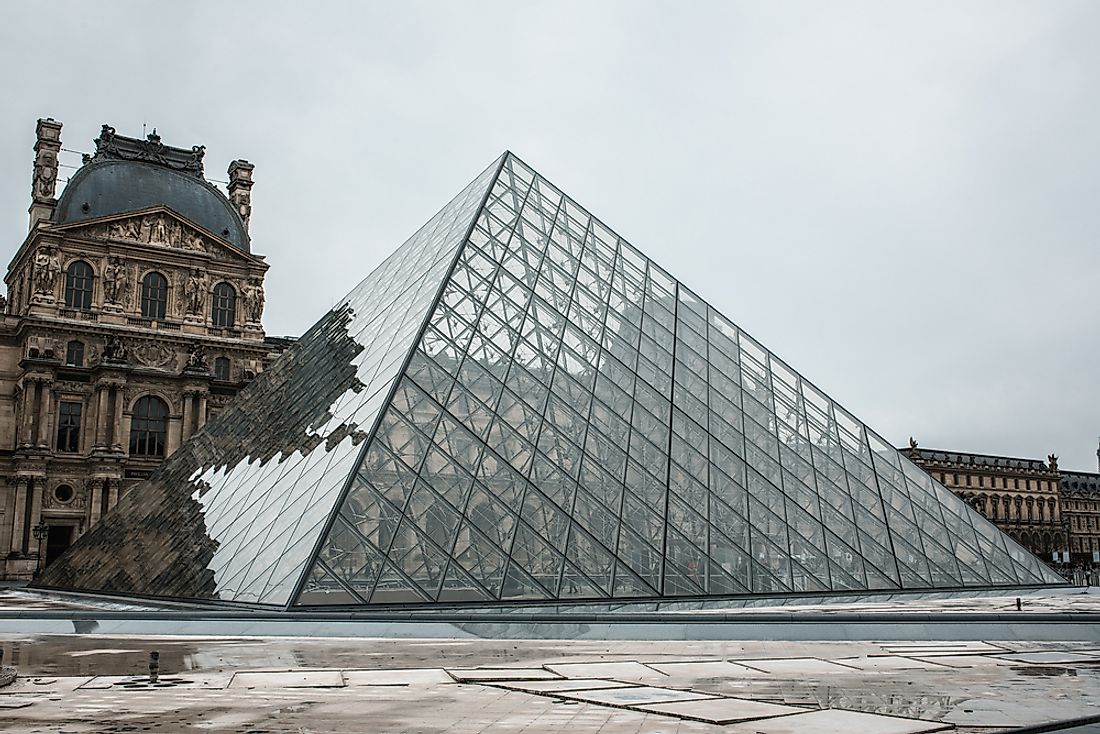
(159,227)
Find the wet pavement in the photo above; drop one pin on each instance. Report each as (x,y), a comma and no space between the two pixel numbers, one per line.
(310,683)
(84,683)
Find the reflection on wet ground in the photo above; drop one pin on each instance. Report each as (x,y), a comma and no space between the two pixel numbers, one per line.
(319,684)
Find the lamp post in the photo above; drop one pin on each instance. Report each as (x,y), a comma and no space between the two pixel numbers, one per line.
(40,531)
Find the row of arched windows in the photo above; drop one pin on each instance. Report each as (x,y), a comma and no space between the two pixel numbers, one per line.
(154,295)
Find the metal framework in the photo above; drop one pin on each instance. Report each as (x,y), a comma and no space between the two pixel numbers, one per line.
(519,406)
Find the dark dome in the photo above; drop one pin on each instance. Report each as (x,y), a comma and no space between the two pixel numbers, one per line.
(114,186)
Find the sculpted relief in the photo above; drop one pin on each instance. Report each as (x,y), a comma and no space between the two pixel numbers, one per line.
(153,229)
(46,271)
(116,281)
(252,295)
(196,291)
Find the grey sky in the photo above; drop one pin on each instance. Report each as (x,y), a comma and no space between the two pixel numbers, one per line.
(897,198)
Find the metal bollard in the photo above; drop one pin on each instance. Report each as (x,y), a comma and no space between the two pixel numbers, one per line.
(154,666)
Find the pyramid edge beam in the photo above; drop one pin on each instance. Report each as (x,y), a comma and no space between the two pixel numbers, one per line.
(292,599)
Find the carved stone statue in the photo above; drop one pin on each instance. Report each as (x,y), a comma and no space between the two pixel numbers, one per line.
(253,296)
(116,278)
(912,444)
(126,229)
(192,240)
(47,269)
(196,291)
(114,350)
(1053,461)
(196,359)
(3,303)
(158,231)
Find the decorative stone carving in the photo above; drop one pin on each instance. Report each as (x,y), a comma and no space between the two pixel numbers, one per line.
(196,359)
(45,174)
(111,145)
(78,500)
(153,354)
(116,281)
(161,230)
(252,296)
(1053,461)
(197,287)
(125,229)
(46,271)
(115,351)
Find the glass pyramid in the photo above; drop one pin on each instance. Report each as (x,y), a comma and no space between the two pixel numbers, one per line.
(519,405)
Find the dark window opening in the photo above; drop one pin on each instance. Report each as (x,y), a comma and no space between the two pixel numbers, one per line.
(148,427)
(78,286)
(221,369)
(74,354)
(223,306)
(68,426)
(154,296)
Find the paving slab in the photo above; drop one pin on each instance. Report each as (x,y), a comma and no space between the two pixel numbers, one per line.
(624,669)
(934,649)
(486,675)
(562,684)
(892,662)
(706,669)
(837,721)
(720,710)
(796,666)
(397,677)
(1063,657)
(974,661)
(634,696)
(289,679)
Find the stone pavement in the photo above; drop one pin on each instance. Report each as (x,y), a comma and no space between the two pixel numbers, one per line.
(91,683)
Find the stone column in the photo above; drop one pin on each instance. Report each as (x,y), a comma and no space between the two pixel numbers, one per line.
(45,414)
(117,437)
(95,500)
(26,425)
(102,440)
(112,492)
(202,412)
(188,415)
(19,513)
(46,150)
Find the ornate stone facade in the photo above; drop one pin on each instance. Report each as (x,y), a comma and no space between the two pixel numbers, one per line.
(1046,509)
(124,329)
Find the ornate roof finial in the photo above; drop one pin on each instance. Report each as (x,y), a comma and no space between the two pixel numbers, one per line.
(1053,461)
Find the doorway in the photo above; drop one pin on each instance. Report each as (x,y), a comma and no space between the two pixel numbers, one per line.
(60,538)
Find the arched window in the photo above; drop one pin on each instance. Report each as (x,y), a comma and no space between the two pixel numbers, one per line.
(148,427)
(221,369)
(154,296)
(78,285)
(223,306)
(74,354)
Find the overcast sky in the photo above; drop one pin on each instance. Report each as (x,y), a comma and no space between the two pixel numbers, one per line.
(900,199)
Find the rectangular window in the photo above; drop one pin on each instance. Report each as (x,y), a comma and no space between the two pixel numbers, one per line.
(68,427)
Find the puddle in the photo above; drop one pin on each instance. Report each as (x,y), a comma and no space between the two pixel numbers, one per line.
(1045,671)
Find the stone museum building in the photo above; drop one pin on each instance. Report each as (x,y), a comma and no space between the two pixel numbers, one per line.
(133,314)
(1046,509)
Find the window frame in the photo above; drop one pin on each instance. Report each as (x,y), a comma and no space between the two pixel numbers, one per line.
(159,310)
(223,306)
(79,285)
(149,428)
(68,426)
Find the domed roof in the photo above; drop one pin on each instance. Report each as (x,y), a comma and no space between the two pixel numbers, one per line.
(128,174)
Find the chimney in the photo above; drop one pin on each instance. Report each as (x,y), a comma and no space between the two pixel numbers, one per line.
(44,183)
(240,188)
